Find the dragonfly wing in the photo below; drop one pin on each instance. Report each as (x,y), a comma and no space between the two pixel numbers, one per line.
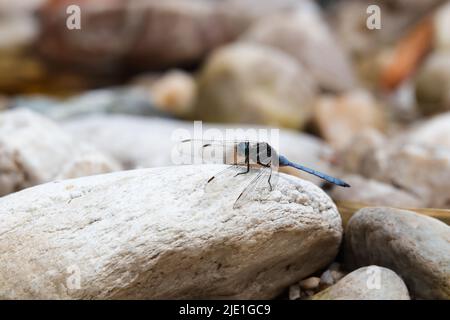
(217,141)
(205,151)
(259,185)
(219,180)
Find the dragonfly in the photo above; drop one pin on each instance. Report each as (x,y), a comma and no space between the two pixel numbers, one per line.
(245,156)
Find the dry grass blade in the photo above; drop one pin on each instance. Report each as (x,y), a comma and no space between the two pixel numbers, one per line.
(348,208)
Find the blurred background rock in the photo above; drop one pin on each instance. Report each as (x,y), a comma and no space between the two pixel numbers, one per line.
(374,100)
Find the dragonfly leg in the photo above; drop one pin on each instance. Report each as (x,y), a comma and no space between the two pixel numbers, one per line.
(247,161)
(270,177)
(244,172)
(269,181)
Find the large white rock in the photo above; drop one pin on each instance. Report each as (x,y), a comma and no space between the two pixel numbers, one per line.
(155,233)
(139,142)
(34,150)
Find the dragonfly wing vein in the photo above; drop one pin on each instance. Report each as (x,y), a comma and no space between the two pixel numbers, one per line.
(261,181)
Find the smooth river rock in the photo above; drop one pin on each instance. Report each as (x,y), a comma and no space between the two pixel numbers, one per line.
(421,169)
(155,233)
(35,150)
(174,91)
(254,83)
(441,21)
(368,283)
(137,34)
(432,84)
(339,119)
(304,34)
(415,246)
(434,131)
(373,192)
(133,100)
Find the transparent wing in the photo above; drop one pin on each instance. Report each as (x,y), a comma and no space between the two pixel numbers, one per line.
(219,180)
(259,187)
(217,141)
(198,151)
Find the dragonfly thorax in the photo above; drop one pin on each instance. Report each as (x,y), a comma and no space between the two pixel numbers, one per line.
(260,153)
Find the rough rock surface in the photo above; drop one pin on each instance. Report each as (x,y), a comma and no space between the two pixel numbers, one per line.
(245,82)
(34,150)
(416,247)
(155,233)
(149,142)
(368,283)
